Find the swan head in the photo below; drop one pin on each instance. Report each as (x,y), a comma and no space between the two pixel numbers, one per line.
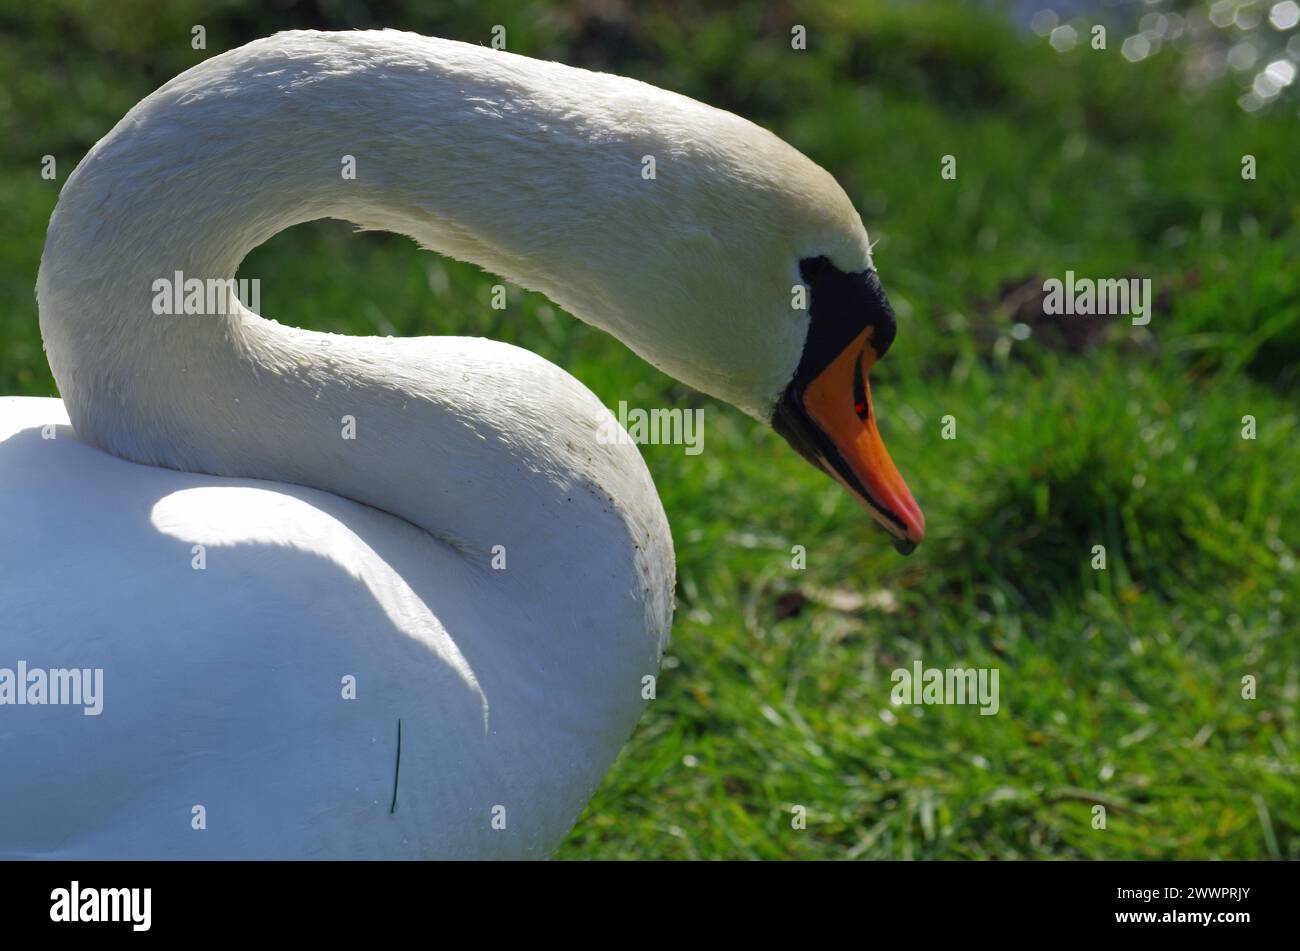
(776,306)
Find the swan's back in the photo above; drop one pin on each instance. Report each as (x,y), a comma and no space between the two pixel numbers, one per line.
(224,685)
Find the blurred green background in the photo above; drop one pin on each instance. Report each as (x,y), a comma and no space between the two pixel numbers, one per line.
(1120,688)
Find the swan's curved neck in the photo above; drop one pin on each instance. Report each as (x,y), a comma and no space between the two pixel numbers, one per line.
(469,152)
(257,140)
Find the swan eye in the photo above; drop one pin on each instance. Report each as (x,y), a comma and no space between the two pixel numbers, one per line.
(860,404)
(810,268)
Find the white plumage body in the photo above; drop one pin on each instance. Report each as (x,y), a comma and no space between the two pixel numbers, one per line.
(369,557)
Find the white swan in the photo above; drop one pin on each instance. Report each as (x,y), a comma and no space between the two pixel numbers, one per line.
(231,615)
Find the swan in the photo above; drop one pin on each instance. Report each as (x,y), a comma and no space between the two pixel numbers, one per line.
(368,597)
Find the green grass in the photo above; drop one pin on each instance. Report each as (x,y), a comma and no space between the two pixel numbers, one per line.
(1119,687)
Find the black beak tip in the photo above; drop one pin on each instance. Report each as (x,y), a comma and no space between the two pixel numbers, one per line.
(904,546)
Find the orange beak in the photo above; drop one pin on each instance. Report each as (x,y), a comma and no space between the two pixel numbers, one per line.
(833,424)
(838,401)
